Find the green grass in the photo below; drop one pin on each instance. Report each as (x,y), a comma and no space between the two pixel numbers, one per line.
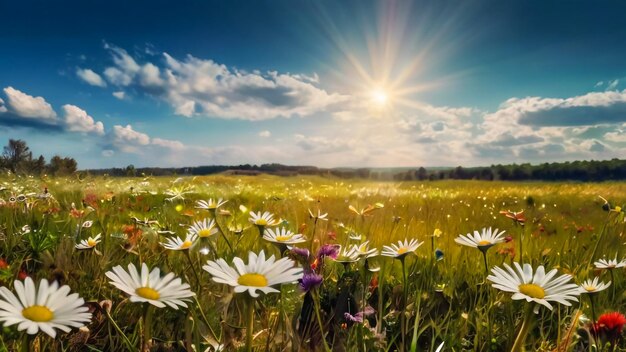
(449,300)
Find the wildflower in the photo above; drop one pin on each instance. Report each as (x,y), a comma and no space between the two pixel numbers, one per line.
(42,308)
(517,217)
(401,249)
(258,275)
(367,210)
(210,204)
(593,286)
(329,250)
(283,236)
(178,244)
(310,281)
(611,322)
(609,264)
(482,241)
(204,228)
(89,243)
(347,255)
(300,252)
(263,219)
(148,286)
(87,224)
(175,193)
(318,216)
(540,288)
(365,251)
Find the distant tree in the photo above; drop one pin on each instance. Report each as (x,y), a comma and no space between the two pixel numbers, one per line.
(17,156)
(131,171)
(62,166)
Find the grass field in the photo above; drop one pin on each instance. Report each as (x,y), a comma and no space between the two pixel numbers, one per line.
(442,288)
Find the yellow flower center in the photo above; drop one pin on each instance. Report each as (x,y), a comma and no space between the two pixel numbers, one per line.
(38,314)
(253,279)
(186,244)
(204,232)
(589,288)
(261,222)
(402,250)
(618,209)
(91,242)
(484,243)
(532,290)
(283,238)
(148,293)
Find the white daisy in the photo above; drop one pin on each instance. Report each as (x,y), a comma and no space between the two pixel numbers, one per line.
(610,263)
(203,228)
(258,275)
(89,243)
(593,286)
(42,309)
(401,249)
(178,244)
(210,204)
(318,216)
(482,241)
(283,235)
(150,286)
(364,251)
(264,219)
(540,288)
(348,255)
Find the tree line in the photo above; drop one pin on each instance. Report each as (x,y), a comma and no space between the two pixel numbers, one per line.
(18,159)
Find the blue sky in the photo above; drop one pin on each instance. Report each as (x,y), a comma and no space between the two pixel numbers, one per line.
(326,83)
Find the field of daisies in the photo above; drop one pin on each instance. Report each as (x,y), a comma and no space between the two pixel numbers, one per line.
(262,263)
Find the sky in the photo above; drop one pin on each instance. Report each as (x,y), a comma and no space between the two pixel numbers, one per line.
(353,83)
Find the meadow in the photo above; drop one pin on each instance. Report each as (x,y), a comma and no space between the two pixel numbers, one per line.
(337,289)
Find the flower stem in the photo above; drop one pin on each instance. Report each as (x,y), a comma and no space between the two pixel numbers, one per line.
(485,260)
(250,326)
(147,328)
(24,347)
(316,302)
(193,268)
(523,332)
(612,284)
(593,308)
(403,312)
(129,345)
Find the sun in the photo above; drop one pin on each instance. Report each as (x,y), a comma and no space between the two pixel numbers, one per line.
(379,96)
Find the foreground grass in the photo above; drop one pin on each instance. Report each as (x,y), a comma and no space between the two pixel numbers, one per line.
(448,300)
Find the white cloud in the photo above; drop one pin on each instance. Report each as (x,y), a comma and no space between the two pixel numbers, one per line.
(2,107)
(613,84)
(119,95)
(107,153)
(24,105)
(90,77)
(170,144)
(126,139)
(265,134)
(77,120)
(197,87)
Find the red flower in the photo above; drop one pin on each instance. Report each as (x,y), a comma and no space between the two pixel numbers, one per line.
(3,263)
(22,275)
(611,322)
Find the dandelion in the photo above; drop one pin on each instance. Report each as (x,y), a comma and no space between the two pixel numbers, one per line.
(482,241)
(43,308)
(539,288)
(203,228)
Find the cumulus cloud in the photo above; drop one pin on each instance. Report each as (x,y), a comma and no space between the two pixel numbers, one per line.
(90,77)
(126,136)
(265,134)
(584,110)
(24,105)
(77,120)
(119,95)
(321,144)
(199,87)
